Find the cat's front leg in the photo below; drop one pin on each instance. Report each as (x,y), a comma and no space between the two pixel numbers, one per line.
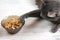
(54,28)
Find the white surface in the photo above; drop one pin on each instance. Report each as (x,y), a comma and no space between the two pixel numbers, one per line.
(32,30)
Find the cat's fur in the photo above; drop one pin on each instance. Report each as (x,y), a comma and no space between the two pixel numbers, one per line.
(47,7)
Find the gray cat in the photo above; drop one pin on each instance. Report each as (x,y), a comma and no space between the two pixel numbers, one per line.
(49,10)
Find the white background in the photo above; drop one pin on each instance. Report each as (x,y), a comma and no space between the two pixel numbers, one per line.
(32,30)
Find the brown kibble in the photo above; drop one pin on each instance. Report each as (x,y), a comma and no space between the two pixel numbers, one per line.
(12,23)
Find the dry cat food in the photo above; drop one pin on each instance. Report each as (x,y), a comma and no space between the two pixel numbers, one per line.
(12,23)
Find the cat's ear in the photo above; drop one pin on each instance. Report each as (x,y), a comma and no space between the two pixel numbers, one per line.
(51,14)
